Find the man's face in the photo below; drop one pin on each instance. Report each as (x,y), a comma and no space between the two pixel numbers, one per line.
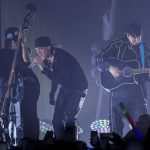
(43,52)
(134,40)
(13,45)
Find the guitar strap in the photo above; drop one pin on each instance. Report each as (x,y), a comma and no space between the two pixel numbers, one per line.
(142,55)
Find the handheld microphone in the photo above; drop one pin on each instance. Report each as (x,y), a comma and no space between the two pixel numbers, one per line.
(32,65)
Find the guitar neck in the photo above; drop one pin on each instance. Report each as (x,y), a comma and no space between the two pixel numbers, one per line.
(138,71)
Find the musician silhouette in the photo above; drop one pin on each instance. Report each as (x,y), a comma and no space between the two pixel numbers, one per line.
(22,103)
(63,70)
(130,90)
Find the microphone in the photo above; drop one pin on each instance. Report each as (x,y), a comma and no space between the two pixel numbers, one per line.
(32,65)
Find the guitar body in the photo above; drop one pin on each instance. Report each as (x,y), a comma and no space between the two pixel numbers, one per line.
(109,82)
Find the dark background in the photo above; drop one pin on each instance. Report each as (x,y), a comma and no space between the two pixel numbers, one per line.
(80,27)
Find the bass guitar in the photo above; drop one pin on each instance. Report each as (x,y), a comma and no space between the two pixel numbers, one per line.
(8,116)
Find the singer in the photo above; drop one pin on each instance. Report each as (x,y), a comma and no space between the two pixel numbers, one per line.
(129,47)
(63,69)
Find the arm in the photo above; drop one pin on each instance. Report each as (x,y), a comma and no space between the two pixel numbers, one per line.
(147,65)
(111,50)
(102,59)
(46,71)
(44,68)
(101,64)
(25,50)
(25,54)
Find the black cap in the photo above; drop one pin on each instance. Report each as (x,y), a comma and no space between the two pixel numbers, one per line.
(134,29)
(42,41)
(11,33)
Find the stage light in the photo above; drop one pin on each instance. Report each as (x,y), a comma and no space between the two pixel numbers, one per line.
(44,127)
(101,126)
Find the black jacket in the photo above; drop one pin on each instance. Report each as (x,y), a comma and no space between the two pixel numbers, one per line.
(66,71)
(122,50)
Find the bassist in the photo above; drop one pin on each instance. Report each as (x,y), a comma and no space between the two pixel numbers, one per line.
(22,104)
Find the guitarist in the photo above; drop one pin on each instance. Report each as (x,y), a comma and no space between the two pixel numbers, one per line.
(132,95)
(63,70)
(23,100)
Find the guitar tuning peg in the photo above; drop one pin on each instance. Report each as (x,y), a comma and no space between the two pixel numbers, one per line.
(30,7)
